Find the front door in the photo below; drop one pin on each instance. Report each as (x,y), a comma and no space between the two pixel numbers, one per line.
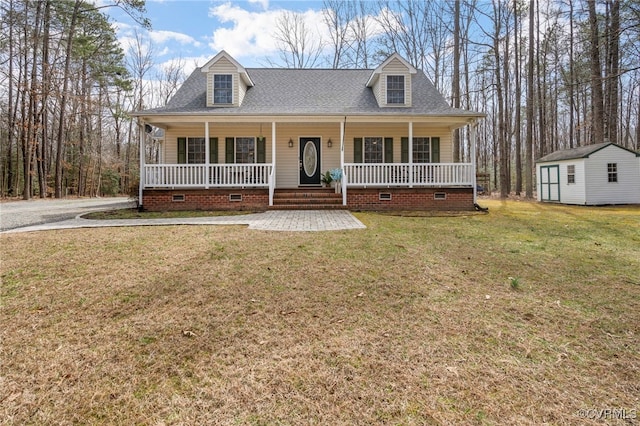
(310,161)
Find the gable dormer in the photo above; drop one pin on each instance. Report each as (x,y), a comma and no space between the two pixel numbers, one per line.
(391,82)
(227,81)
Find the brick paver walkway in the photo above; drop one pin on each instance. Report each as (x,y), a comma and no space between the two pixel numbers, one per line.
(273,220)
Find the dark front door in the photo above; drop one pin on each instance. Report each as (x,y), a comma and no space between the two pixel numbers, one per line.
(310,161)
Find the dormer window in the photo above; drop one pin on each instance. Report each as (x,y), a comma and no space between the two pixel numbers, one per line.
(223,89)
(395,89)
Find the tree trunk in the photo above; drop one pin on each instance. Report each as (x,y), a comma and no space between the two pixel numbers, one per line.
(518,121)
(455,82)
(530,105)
(63,100)
(613,72)
(597,104)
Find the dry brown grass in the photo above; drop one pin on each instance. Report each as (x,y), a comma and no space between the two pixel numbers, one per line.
(411,321)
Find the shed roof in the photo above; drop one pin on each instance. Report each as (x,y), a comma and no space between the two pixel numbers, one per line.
(580,152)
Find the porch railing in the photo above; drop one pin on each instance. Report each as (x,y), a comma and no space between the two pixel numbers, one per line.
(204,176)
(416,174)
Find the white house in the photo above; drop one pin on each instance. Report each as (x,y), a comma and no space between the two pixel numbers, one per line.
(603,173)
(254,138)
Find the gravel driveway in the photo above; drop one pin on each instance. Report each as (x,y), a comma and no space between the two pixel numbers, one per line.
(18,214)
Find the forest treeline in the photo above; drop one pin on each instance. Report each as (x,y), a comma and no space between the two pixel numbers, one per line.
(549,75)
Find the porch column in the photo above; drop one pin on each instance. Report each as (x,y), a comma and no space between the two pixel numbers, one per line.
(472,136)
(411,154)
(272,181)
(206,156)
(142,161)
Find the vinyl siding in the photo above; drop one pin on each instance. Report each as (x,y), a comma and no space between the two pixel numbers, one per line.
(395,67)
(224,66)
(600,190)
(287,161)
(574,193)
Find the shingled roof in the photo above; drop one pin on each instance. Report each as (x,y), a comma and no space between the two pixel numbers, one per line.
(580,152)
(308,92)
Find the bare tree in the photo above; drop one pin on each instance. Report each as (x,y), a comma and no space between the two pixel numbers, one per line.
(170,78)
(597,104)
(296,45)
(530,104)
(337,15)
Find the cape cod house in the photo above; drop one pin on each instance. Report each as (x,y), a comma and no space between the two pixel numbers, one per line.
(258,138)
(598,174)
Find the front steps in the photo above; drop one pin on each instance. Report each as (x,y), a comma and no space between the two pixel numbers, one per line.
(307,199)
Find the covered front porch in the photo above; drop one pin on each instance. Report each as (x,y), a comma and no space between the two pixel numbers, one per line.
(296,153)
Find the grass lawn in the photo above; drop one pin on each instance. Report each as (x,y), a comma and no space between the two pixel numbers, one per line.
(526,315)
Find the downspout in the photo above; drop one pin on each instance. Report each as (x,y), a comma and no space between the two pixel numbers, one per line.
(472,134)
(141,154)
(344,176)
(272,175)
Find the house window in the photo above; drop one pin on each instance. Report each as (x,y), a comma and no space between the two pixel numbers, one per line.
(395,89)
(571,174)
(421,150)
(223,89)
(373,150)
(195,151)
(612,172)
(245,150)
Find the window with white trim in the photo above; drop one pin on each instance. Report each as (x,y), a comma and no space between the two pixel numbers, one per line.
(222,89)
(395,89)
(612,172)
(571,173)
(373,150)
(245,150)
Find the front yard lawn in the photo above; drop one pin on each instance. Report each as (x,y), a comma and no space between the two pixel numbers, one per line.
(527,315)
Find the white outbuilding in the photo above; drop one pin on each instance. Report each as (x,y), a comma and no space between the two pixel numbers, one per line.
(598,174)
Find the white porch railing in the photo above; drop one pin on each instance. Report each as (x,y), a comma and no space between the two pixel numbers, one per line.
(416,174)
(204,176)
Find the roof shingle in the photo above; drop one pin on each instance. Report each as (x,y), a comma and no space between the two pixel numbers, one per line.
(308,92)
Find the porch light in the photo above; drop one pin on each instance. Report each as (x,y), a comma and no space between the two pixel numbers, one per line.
(329,143)
(290,143)
(260,136)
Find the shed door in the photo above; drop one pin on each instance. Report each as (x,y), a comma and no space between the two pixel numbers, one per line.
(550,183)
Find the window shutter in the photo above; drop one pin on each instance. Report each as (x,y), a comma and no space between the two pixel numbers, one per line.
(404,150)
(357,150)
(182,150)
(261,150)
(213,150)
(388,150)
(229,150)
(435,150)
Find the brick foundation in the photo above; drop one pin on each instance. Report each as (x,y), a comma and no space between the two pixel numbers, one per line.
(205,199)
(410,199)
(357,199)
